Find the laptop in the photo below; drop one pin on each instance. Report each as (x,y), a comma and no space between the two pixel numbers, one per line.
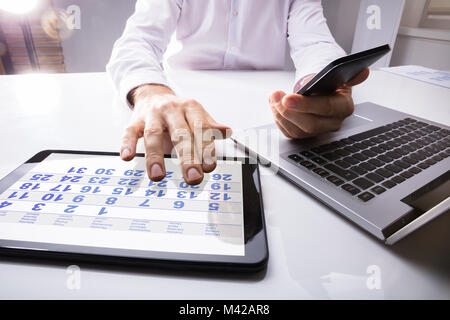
(386,171)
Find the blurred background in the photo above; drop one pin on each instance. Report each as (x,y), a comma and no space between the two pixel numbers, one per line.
(57,36)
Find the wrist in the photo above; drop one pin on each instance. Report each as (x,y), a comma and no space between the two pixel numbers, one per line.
(146,91)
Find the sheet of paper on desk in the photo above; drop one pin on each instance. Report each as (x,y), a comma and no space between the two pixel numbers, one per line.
(435,77)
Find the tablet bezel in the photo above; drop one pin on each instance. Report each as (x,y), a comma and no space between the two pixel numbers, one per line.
(256,250)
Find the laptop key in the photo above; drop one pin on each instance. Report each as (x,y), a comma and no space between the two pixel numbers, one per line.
(295,157)
(423,165)
(415,170)
(343,164)
(363,183)
(389,184)
(351,189)
(321,172)
(360,156)
(378,189)
(331,156)
(385,173)
(402,164)
(398,179)
(335,180)
(393,168)
(351,160)
(406,174)
(366,196)
(348,175)
(307,164)
(385,158)
(359,170)
(319,160)
(374,177)
(367,166)
(376,162)
(307,154)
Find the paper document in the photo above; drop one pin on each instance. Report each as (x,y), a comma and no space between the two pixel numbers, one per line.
(435,77)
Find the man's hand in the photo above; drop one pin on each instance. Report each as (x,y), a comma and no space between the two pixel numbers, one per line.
(300,117)
(161,117)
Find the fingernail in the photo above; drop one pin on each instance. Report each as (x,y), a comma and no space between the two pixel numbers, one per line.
(275,98)
(125,153)
(156,171)
(289,103)
(193,174)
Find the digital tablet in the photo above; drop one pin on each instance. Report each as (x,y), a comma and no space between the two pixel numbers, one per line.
(94,207)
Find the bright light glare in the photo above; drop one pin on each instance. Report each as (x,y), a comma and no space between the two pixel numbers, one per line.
(18,6)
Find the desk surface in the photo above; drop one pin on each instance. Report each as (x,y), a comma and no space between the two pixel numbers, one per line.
(314,253)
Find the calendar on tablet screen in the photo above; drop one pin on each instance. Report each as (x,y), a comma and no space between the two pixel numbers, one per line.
(103,201)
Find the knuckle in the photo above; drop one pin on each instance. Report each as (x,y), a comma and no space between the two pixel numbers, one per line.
(310,127)
(153,131)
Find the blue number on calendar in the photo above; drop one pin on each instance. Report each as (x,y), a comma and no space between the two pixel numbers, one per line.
(169,174)
(217,186)
(102,211)
(100,180)
(159,193)
(78,198)
(71,179)
(224,177)
(213,206)
(183,194)
(216,196)
(37,206)
(145,203)
(161,184)
(16,194)
(120,190)
(111,200)
(77,170)
(87,189)
(70,208)
(5,204)
(136,173)
(131,182)
(28,185)
(184,185)
(51,196)
(41,177)
(58,188)
(108,172)
(178,204)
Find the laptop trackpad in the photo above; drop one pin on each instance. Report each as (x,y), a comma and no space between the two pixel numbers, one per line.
(354,121)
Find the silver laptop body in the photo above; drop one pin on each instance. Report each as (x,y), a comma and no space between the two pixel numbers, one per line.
(417,196)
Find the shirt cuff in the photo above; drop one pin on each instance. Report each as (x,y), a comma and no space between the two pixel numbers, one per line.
(135,80)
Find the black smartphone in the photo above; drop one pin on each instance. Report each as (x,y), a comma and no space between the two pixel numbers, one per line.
(342,70)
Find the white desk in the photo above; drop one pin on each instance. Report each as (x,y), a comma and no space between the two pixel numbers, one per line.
(314,253)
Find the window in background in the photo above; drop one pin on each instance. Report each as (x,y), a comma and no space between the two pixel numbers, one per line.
(30,40)
(436,14)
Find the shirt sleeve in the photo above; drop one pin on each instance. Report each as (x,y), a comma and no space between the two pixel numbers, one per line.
(137,55)
(310,40)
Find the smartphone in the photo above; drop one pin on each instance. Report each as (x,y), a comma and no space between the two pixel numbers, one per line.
(341,71)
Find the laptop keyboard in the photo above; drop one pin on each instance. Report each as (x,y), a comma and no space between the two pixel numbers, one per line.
(369,163)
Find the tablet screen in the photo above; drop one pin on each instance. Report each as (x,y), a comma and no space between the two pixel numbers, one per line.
(102,201)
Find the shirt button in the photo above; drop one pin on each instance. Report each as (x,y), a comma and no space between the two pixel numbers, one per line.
(234,48)
(235,13)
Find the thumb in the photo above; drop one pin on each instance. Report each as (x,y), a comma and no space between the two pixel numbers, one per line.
(359,78)
(276,97)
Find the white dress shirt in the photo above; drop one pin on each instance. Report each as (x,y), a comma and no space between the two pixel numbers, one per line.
(221,34)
